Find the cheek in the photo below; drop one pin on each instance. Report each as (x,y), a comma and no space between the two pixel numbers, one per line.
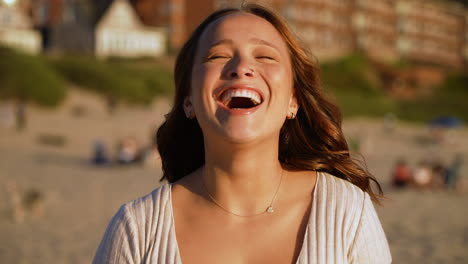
(202,77)
(201,87)
(196,79)
(281,77)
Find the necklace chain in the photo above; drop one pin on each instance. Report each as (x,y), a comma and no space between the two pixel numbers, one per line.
(269,209)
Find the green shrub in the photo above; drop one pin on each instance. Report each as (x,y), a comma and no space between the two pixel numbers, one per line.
(354,104)
(85,72)
(455,83)
(450,99)
(158,80)
(121,79)
(29,78)
(351,74)
(356,87)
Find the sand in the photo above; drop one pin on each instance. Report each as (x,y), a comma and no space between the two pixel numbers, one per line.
(73,201)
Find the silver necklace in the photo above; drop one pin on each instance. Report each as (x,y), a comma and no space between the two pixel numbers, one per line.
(269,209)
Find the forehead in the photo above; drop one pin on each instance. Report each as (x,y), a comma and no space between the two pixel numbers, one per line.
(241,26)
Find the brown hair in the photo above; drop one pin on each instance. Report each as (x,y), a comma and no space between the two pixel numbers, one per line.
(312,141)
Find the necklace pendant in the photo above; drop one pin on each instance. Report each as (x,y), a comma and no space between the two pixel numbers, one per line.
(270,209)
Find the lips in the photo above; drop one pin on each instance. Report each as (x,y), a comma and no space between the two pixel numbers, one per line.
(236,98)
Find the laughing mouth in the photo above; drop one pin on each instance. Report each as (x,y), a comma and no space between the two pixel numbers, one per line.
(240,98)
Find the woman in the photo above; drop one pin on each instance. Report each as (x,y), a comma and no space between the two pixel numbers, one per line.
(258,168)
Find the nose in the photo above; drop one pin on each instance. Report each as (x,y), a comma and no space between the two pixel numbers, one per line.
(239,68)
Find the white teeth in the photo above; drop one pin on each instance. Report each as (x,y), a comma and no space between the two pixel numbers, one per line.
(252,95)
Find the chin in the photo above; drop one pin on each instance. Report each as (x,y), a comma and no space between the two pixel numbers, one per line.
(241,136)
(240,130)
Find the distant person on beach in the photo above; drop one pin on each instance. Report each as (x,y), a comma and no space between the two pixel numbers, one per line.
(438,175)
(258,168)
(452,175)
(20,116)
(401,175)
(128,151)
(100,155)
(423,175)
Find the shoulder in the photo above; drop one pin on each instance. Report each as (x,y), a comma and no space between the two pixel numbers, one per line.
(135,227)
(341,201)
(153,203)
(352,207)
(339,192)
(135,215)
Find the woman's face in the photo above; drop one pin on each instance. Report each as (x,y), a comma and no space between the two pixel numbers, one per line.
(242,84)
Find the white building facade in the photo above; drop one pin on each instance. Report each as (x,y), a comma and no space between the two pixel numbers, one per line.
(121,33)
(16,30)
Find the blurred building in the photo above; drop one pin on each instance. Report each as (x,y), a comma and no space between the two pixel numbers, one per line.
(426,31)
(16,28)
(65,25)
(431,32)
(163,13)
(374,28)
(121,33)
(324,25)
(179,17)
(85,27)
(421,31)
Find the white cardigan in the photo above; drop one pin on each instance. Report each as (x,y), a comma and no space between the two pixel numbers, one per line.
(343,227)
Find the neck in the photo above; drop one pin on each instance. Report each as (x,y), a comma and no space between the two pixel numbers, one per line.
(244,179)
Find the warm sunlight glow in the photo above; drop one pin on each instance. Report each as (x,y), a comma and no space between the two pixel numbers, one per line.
(9,2)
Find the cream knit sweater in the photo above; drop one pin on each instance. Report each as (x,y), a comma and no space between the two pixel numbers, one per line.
(343,227)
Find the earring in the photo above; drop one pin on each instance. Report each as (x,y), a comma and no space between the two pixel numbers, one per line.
(190,115)
(291,115)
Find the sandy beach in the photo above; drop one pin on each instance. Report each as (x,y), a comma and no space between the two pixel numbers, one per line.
(72,201)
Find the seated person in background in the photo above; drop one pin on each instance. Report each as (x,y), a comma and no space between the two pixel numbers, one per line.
(423,175)
(401,174)
(99,153)
(128,151)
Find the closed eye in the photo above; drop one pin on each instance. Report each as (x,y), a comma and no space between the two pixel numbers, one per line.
(217,57)
(265,58)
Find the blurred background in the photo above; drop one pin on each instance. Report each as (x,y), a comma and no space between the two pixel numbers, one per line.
(84,84)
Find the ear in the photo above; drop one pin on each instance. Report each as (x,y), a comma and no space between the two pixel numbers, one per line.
(188,108)
(293,107)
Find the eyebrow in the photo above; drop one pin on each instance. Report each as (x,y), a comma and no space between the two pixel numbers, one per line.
(253,40)
(222,42)
(263,42)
